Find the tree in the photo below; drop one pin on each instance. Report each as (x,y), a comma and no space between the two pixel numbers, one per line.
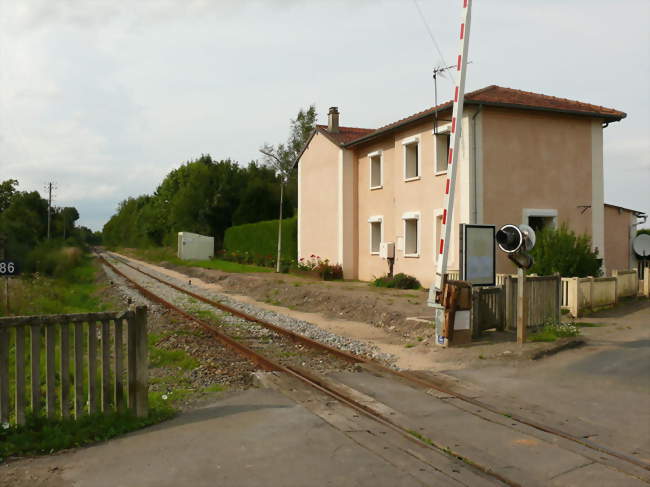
(561,250)
(7,191)
(283,157)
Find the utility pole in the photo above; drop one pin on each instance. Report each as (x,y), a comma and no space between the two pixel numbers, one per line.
(277,264)
(3,242)
(282,181)
(49,208)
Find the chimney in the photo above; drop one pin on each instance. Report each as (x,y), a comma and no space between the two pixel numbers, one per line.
(333,120)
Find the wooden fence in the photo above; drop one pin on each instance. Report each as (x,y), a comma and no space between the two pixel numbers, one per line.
(57,355)
(496,307)
(488,309)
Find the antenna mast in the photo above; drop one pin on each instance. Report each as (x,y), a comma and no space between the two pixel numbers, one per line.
(454,145)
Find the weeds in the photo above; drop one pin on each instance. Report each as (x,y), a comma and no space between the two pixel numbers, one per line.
(552,331)
(74,291)
(40,435)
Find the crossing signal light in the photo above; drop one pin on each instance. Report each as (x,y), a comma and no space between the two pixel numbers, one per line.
(516,241)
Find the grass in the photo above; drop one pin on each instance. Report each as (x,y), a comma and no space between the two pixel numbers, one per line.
(160,357)
(43,436)
(409,345)
(78,291)
(166,254)
(75,291)
(551,332)
(421,437)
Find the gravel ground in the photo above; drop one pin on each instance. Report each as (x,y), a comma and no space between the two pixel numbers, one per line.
(270,344)
(303,327)
(217,364)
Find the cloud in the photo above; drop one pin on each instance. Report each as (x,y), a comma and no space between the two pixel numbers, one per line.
(105,97)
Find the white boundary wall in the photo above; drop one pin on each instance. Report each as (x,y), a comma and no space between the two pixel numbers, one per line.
(192,246)
(580,294)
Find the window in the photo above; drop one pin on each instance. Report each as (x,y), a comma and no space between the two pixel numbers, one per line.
(443,141)
(540,219)
(411,158)
(437,232)
(538,223)
(411,234)
(376,170)
(376,233)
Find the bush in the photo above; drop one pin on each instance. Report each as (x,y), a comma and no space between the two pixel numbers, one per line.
(260,241)
(53,259)
(325,270)
(398,281)
(561,250)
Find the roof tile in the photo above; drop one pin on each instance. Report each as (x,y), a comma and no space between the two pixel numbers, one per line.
(490,95)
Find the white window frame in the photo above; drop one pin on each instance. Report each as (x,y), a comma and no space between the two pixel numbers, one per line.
(375,219)
(437,213)
(379,154)
(412,215)
(442,130)
(410,141)
(543,212)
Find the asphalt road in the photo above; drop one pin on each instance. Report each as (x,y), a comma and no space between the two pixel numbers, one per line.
(600,391)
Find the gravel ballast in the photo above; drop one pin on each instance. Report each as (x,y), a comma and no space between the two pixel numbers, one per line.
(298,326)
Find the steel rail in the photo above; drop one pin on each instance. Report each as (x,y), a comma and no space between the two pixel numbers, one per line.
(303,376)
(278,329)
(404,375)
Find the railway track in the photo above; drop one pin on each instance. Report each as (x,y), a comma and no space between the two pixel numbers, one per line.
(326,387)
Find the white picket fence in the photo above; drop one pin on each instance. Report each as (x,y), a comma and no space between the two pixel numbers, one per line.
(580,294)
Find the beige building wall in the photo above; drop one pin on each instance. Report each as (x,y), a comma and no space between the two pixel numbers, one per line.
(618,244)
(318,200)
(512,163)
(397,197)
(536,161)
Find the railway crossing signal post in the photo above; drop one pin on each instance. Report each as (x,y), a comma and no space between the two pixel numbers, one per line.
(435,293)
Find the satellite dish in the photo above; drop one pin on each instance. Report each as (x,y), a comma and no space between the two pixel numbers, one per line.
(641,245)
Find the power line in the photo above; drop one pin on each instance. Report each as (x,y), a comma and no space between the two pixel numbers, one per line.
(430,32)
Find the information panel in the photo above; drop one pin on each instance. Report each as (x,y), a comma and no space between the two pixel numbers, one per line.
(478,254)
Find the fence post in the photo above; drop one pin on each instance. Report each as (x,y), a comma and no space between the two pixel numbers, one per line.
(558,296)
(474,313)
(522,307)
(572,296)
(4,375)
(615,275)
(508,300)
(142,363)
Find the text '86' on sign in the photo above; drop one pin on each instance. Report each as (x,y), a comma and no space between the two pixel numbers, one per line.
(8,268)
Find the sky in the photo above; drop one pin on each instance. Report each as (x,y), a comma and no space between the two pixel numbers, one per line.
(104,98)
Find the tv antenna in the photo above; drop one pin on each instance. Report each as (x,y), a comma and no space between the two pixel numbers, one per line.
(437,71)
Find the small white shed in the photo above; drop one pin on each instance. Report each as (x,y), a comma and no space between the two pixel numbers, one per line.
(192,246)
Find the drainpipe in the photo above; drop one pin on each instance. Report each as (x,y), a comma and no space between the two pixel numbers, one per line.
(475,209)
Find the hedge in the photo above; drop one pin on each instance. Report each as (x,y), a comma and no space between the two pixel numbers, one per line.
(261,238)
